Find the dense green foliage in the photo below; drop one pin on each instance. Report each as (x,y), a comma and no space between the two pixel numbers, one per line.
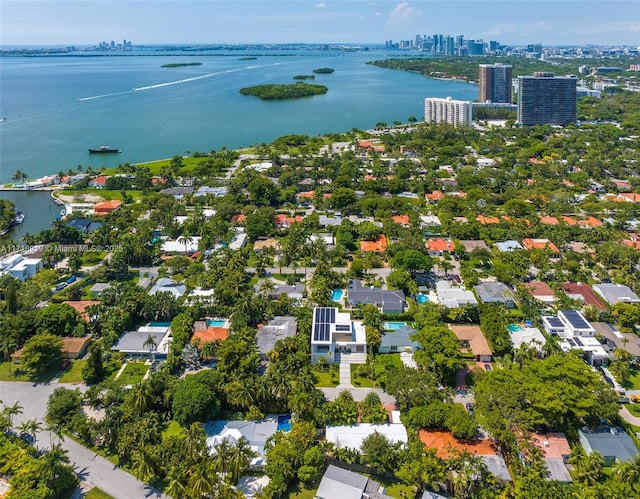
(281,92)
(323,70)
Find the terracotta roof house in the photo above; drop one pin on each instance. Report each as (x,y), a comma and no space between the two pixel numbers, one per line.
(541,244)
(622,185)
(434,197)
(402,220)
(81,307)
(445,444)
(487,220)
(239,218)
(72,348)
(204,333)
(306,195)
(569,220)
(631,197)
(472,337)
(98,182)
(377,246)
(282,220)
(439,246)
(261,244)
(106,207)
(589,222)
(556,452)
(549,220)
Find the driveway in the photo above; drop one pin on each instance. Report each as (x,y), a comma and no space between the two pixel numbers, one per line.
(628,417)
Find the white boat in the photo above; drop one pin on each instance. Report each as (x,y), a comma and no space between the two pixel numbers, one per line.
(19,218)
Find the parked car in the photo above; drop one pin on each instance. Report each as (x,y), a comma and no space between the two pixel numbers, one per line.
(61,286)
(487,367)
(469,407)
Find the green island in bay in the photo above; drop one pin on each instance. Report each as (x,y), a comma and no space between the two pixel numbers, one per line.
(281,92)
(181,64)
(304,77)
(324,70)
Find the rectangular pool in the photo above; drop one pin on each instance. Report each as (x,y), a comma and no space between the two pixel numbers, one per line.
(284,422)
(422,299)
(392,326)
(337,295)
(216,322)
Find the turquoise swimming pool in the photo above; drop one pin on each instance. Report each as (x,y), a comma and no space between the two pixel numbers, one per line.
(392,326)
(216,322)
(159,324)
(337,295)
(422,299)
(514,328)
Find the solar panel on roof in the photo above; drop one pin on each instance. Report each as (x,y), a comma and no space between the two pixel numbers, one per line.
(578,341)
(575,319)
(343,327)
(571,342)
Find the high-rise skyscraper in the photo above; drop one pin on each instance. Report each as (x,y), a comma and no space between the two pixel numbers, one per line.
(455,112)
(545,99)
(494,83)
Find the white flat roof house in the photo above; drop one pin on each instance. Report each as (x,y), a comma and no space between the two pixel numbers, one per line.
(616,293)
(19,267)
(576,332)
(336,337)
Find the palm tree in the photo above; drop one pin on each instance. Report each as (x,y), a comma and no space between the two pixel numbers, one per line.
(177,482)
(201,483)
(13,410)
(151,344)
(144,465)
(240,458)
(186,240)
(31,427)
(140,398)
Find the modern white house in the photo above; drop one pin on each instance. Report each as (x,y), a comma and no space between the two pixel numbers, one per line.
(576,332)
(19,267)
(336,337)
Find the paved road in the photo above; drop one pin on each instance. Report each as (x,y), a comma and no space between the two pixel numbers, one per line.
(92,469)
(628,417)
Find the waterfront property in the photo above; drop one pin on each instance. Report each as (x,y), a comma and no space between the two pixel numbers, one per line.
(19,267)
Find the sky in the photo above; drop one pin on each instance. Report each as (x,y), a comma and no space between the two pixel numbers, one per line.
(87,22)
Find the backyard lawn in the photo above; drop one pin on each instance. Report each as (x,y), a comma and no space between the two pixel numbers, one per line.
(74,373)
(302,492)
(360,381)
(329,379)
(634,409)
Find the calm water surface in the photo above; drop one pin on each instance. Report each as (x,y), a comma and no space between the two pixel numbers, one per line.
(58,107)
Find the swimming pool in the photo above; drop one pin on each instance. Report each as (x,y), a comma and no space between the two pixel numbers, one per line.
(159,324)
(392,326)
(216,322)
(514,328)
(422,299)
(337,295)
(284,422)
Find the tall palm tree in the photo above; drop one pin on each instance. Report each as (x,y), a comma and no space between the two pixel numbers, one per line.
(186,240)
(12,410)
(143,465)
(31,427)
(240,458)
(201,483)
(177,482)
(151,344)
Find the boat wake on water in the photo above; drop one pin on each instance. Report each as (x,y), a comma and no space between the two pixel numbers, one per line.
(101,96)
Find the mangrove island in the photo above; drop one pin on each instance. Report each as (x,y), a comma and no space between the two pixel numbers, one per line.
(280,92)
(181,64)
(324,70)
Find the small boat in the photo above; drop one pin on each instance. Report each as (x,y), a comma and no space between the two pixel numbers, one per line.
(104,149)
(4,118)
(19,218)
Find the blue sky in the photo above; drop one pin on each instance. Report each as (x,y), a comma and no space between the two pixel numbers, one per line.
(80,22)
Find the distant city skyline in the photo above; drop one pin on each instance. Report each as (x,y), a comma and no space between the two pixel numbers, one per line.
(516,22)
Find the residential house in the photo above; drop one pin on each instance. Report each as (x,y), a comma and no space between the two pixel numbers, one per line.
(178,192)
(278,329)
(84,225)
(216,192)
(19,267)
(434,197)
(106,207)
(167,285)
(446,445)
(429,220)
(377,246)
(402,220)
(351,437)
(387,301)
(261,244)
(584,292)
(344,484)
(555,453)
(327,221)
(471,337)
(509,246)
(487,220)
(473,244)
(187,245)
(72,348)
(576,333)
(548,220)
(336,337)
(530,336)
(454,296)
(439,246)
(136,344)
(239,240)
(98,182)
(541,291)
(399,341)
(613,339)
(616,293)
(495,292)
(612,442)
(81,306)
(540,244)
(255,433)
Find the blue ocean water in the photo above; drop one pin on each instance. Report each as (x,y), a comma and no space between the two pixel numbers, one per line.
(58,107)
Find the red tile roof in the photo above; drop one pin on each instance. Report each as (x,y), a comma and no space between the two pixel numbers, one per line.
(377,246)
(532,244)
(440,244)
